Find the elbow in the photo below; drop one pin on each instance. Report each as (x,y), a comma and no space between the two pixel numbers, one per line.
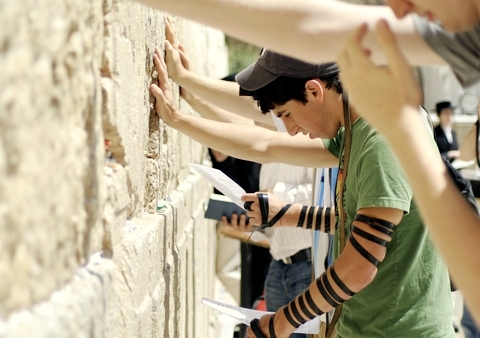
(358,280)
(365,278)
(358,276)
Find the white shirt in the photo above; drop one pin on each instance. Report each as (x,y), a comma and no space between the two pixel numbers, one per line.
(294,185)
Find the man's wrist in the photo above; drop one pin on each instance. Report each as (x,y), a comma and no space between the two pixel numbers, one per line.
(182,77)
(291,216)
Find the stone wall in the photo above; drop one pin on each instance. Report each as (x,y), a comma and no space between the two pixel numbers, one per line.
(84,162)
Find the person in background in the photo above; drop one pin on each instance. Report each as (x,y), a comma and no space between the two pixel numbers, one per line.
(445,136)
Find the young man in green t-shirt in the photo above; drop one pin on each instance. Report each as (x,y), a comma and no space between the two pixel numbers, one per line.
(389,277)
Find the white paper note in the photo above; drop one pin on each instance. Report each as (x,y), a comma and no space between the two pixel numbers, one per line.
(222,182)
(247,315)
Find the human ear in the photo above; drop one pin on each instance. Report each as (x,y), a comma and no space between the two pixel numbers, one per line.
(315,89)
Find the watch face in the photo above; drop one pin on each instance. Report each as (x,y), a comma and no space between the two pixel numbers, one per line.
(469,102)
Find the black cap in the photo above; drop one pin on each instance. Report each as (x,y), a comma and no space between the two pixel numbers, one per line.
(444,105)
(270,66)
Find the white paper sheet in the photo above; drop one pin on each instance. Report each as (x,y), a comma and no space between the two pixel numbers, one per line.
(247,315)
(222,182)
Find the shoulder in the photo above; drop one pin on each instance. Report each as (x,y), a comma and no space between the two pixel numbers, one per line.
(460,50)
(368,145)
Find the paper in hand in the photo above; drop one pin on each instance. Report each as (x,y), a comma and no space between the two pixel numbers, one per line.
(247,315)
(222,182)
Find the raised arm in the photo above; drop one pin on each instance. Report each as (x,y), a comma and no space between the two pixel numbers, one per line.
(220,93)
(388,97)
(247,142)
(211,112)
(311,30)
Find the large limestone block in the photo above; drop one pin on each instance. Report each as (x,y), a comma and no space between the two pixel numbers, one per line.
(86,307)
(135,258)
(48,107)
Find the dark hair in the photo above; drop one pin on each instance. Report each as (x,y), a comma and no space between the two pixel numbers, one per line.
(284,89)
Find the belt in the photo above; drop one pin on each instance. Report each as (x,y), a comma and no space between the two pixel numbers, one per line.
(301,256)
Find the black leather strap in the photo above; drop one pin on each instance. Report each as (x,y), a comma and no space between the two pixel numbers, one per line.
(367,255)
(277,216)
(271,327)
(339,282)
(369,236)
(300,256)
(330,289)
(301,302)
(477,126)
(312,304)
(289,317)
(263,202)
(310,217)
(379,224)
(324,293)
(296,313)
(347,145)
(327,220)
(256,329)
(301,218)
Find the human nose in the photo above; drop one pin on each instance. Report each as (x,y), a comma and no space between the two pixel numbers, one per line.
(292,128)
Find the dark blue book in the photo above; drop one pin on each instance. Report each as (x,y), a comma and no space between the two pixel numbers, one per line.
(220,205)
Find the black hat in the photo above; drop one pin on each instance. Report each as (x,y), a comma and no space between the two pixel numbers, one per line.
(443,105)
(271,66)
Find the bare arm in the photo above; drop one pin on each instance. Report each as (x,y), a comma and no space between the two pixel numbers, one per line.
(247,142)
(251,142)
(390,97)
(311,30)
(223,94)
(454,226)
(353,269)
(215,113)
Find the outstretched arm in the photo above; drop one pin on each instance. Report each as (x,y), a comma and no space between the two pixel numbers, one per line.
(311,30)
(211,112)
(198,89)
(389,98)
(247,142)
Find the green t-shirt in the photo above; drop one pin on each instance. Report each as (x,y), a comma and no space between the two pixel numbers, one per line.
(410,295)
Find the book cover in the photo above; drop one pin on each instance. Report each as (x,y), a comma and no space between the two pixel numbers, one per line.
(220,205)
